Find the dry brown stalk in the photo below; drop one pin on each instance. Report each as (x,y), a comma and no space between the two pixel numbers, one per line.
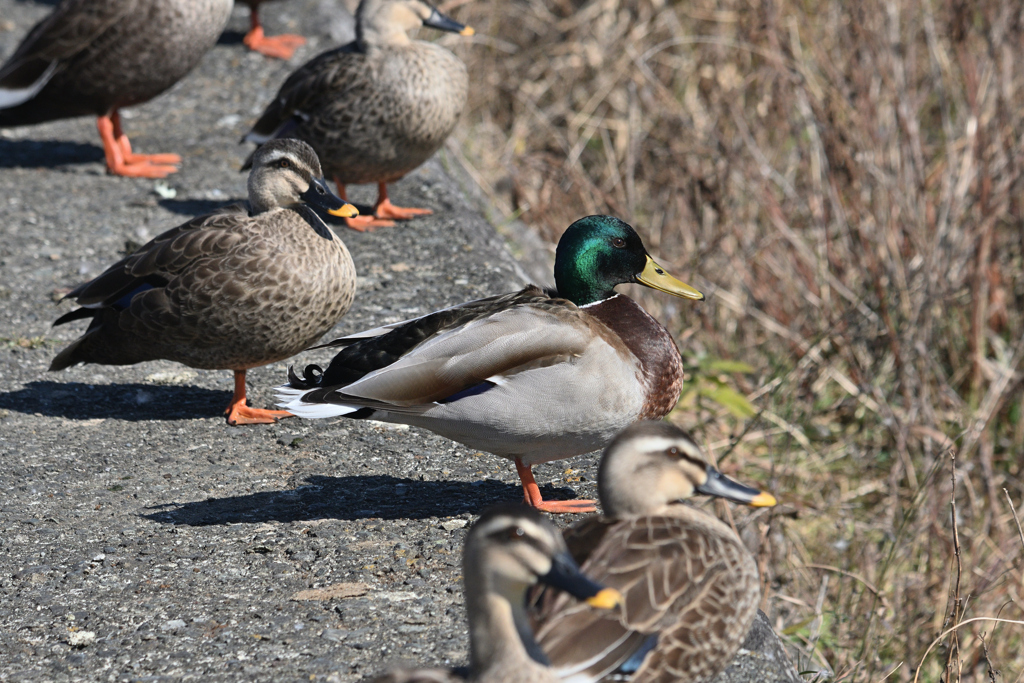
(846,183)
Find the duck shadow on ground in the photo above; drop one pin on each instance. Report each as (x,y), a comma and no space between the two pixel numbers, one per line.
(197,207)
(357,497)
(134,402)
(230,37)
(46,153)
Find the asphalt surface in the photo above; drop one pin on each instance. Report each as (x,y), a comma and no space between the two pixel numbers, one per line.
(141,538)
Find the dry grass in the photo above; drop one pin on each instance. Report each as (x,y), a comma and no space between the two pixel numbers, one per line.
(845,180)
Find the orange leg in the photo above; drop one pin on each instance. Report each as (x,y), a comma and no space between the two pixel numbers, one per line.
(126,147)
(384,212)
(385,209)
(240,414)
(282,46)
(121,160)
(361,223)
(531,495)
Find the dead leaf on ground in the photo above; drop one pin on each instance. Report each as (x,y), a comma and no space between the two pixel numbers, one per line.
(333,592)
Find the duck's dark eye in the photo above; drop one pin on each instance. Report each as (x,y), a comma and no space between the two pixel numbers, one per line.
(284,163)
(673,451)
(517,533)
(618,242)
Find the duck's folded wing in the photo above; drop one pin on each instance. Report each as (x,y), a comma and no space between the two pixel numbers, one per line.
(331,73)
(678,585)
(66,31)
(420,676)
(163,257)
(488,349)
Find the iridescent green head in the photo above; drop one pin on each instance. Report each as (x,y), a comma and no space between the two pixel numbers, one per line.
(598,253)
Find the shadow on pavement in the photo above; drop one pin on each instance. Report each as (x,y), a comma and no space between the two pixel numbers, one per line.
(135,402)
(358,497)
(197,207)
(46,153)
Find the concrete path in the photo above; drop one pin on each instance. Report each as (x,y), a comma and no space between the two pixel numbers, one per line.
(143,539)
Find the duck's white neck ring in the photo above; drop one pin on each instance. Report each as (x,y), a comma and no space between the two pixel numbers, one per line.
(595,303)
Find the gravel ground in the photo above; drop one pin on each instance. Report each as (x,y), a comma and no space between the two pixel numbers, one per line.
(143,539)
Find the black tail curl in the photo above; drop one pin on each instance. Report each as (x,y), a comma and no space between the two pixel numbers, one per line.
(312,375)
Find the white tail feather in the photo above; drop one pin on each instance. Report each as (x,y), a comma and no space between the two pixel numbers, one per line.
(290,399)
(12,98)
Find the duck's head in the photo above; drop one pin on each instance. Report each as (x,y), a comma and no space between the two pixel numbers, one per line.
(388,22)
(512,547)
(597,253)
(286,173)
(653,464)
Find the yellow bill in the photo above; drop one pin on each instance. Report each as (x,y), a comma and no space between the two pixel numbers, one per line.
(655,277)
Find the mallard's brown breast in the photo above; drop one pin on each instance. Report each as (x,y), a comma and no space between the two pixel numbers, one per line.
(661,367)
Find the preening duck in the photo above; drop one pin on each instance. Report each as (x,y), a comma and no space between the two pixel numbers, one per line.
(531,376)
(376,108)
(94,57)
(508,550)
(231,290)
(689,585)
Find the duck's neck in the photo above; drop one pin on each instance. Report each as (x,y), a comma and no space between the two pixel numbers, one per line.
(499,634)
(660,362)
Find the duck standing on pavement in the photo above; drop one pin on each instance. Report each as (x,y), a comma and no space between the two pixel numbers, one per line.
(232,290)
(531,376)
(95,57)
(377,108)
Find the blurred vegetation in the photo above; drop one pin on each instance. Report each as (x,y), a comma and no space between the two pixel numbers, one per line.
(844,179)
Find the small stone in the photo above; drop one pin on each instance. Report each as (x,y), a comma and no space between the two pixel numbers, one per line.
(81,638)
(453,524)
(173,625)
(335,635)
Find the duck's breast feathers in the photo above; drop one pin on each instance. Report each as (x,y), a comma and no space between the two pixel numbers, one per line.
(661,367)
(441,355)
(69,29)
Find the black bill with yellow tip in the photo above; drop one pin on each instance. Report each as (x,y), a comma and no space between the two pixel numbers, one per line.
(446,23)
(723,487)
(320,196)
(655,277)
(565,575)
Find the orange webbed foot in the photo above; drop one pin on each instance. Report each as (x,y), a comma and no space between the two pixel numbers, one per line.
(367,223)
(400,213)
(241,414)
(559,507)
(144,169)
(280,47)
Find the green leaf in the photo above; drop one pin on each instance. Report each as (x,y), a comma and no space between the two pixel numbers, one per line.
(732,400)
(730,366)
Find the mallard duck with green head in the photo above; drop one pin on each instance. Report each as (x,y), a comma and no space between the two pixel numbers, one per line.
(531,376)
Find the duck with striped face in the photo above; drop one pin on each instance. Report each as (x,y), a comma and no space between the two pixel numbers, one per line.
(510,549)
(689,586)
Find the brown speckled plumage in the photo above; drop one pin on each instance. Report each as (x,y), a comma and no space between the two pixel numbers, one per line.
(374,109)
(690,587)
(231,290)
(107,54)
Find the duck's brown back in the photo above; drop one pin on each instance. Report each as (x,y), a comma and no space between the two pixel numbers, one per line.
(110,54)
(231,292)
